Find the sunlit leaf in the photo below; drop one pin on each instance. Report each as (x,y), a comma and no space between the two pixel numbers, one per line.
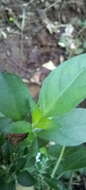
(69,130)
(64,88)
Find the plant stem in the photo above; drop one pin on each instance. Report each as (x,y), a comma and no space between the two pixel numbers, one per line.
(70,181)
(58,162)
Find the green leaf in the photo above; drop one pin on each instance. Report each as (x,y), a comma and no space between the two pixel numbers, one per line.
(74,158)
(7,186)
(25,179)
(64,88)
(69,130)
(4,124)
(18,127)
(52,182)
(15,99)
(21,163)
(2,139)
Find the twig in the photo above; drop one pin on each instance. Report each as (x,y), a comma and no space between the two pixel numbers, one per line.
(22,34)
(50,6)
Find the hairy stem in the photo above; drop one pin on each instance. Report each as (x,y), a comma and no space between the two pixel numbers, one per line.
(58,162)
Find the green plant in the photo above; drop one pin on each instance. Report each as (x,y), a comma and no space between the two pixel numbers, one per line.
(27,129)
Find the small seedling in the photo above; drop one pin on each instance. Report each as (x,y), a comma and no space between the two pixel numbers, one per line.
(28,129)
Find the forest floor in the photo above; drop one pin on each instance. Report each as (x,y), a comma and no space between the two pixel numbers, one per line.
(37,35)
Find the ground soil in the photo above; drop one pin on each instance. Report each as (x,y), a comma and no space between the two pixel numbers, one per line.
(25,50)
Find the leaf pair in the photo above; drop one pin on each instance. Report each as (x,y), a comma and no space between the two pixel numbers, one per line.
(61,92)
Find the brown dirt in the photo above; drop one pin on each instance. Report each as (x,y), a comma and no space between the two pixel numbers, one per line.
(25,51)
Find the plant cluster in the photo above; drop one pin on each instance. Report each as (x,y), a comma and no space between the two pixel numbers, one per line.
(40,142)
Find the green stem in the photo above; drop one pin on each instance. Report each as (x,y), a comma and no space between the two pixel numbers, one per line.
(58,162)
